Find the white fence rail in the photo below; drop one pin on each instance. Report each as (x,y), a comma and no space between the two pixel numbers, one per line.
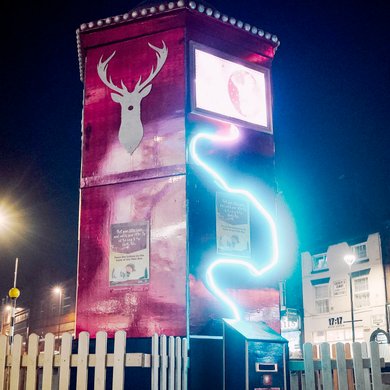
(337,368)
(167,362)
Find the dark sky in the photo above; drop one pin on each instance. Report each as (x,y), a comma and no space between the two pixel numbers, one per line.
(331,122)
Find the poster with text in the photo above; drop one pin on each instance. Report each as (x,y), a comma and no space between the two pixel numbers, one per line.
(129,253)
(339,287)
(232,223)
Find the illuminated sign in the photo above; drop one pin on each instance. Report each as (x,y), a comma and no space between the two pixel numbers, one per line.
(290,320)
(227,88)
(262,212)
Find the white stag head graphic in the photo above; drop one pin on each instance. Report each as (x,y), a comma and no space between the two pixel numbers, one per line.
(131,130)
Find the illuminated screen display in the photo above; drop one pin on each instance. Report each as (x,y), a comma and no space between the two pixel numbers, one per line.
(231,89)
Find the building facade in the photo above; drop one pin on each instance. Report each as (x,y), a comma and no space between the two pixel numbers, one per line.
(54,310)
(327,284)
(51,311)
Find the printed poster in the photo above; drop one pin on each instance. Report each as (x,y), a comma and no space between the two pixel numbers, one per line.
(339,287)
(233,229)
(129,253)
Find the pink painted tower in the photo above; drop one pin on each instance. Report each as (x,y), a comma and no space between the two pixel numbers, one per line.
(152,219)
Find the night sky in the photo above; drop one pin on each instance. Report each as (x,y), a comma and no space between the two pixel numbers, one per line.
(331,83)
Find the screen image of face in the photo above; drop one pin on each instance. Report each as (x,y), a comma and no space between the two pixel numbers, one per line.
(230,89)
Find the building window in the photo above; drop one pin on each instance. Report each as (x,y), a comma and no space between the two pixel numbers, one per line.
(322,298)
(319,337)
(335,336)
(361,294)
(42,307)
(319,262)
(67,305)
(360,251)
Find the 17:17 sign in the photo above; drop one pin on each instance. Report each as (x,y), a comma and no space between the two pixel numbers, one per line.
(335,321)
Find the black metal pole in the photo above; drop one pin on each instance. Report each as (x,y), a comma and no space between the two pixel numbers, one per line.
(59,320)
(352,314)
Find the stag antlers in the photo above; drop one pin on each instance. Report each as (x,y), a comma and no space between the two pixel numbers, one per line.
(131,129)
(161,54)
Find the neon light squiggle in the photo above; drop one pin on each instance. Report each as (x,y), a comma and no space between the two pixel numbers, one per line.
(232,136)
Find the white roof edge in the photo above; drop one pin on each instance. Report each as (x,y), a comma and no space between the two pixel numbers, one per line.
(143,12)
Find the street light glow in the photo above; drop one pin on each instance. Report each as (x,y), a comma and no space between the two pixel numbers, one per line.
(350,258)
(57,290)
(4,218)
(13,222)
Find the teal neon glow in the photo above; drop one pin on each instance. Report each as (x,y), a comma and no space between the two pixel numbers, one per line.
(221,262)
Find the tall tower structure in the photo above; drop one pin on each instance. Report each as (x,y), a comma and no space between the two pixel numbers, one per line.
(177,183)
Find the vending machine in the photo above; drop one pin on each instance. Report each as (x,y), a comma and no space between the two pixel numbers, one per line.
(255,357)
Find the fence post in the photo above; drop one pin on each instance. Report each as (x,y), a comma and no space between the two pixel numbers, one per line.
(82,361)
(163,362)
(309,366)
(358,366)
(366,371)
(334,373)
(341,367)
(171,363)
(48,357)
(16,352)
(178,364)
(66,353)
(326,368)
(155,362)
(32,359)
(100,365)
(185,364)
(118,374)
(376,373)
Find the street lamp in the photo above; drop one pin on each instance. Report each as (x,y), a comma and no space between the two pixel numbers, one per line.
(9,224)
(4,220)
(14,294)
(58,290)
(8,218)
(350,259)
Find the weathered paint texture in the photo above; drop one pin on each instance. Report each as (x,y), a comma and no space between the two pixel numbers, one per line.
(158,306)
(155,183)
(147,185)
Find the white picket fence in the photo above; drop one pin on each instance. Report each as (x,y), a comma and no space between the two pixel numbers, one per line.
(168,363)
(327,368)
(337,368)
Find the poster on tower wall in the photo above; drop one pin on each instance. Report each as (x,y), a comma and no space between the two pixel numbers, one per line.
(129,254)
(228,226)
(232,225)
